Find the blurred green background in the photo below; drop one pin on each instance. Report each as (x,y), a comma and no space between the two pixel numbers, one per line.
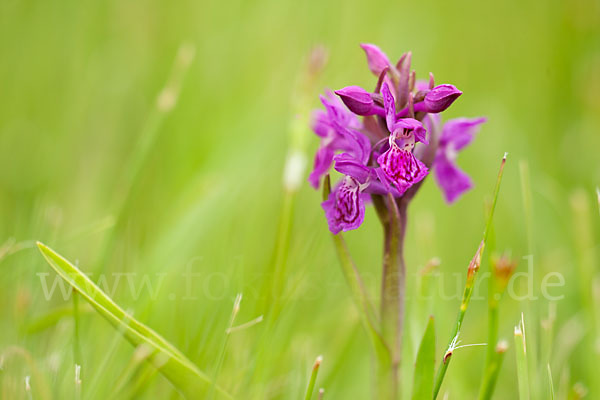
(90,165)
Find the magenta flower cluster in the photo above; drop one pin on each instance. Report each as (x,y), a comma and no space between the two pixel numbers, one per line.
(398,138)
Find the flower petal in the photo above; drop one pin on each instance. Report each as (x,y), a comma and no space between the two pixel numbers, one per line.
(376,58)
(345,208)
(441,97)
(390,108)
(413,125)
(322,163)
(401,167)
(320,123)
(337,113)
(357,99)
(460,132)
(452,180)
(353,142)
(348,165)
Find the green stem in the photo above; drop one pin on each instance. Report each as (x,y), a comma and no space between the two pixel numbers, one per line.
(469,285)
(76,348)
(357,289)
(468,291)
(221,357)
(522,368)
(313,378)
(491,372)
(165,103)
(279,258)
(492,358)
(76,344)
(392,293)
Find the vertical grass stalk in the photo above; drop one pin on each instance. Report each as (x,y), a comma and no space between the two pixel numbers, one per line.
(165,103)
(550,383)
(492,371)
(234,313)
(293,174)
(313,378)
(358,290)
(521,355)
(76,344)
(469,285)
(501,271)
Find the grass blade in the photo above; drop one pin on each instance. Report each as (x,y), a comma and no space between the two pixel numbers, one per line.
(425,364)
(358,290)
(221,358)
(470,284)
(313,378)
(181,372)
(492,371)
(521,353)
(550,383)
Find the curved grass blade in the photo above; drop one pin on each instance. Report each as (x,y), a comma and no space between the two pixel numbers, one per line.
(181,372)
(425,364)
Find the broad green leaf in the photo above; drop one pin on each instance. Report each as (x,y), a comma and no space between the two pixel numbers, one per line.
(425,364)
(180,371)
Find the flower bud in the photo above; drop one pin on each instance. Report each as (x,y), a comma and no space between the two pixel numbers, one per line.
(441,97)
(502,268)
(376,58)
(358,100)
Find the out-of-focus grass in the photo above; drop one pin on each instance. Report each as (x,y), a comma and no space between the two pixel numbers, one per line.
(79,82)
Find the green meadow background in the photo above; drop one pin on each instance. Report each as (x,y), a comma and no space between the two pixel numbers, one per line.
(140,191)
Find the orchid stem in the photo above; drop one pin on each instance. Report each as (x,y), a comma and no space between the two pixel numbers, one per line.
(392,291)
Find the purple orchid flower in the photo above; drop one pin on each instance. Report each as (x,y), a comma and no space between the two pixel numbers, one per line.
(335,126)
(456,135)
(378,156)
(398,163)
(345,207)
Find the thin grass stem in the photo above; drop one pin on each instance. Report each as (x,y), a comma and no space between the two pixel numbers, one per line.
(521,355)
(221,357)
(165,103)
(313,378)
(358,290)
(468,291)
(76,344)
(550,383)
(492,371)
